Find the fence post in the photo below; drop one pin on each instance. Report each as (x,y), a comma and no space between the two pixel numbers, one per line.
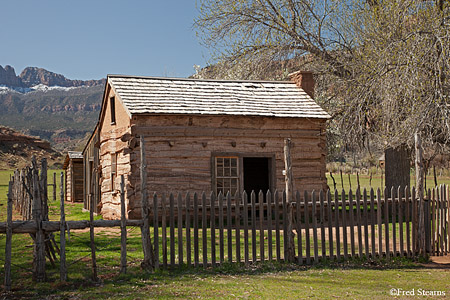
(62,234)
(39,244)
(290,245)
(8,240)
(428,223)
(147,263)
(420,193)
(123,228)
(91,231)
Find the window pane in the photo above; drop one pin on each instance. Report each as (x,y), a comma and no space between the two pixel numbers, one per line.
(234,162)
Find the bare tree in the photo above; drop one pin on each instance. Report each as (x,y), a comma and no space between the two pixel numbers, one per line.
(383,66)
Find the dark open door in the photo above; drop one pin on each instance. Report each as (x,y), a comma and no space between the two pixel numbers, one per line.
(256,174)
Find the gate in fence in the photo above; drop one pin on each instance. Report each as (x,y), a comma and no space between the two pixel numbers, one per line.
(205,230)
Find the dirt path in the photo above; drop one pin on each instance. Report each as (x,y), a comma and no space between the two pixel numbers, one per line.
(439,262)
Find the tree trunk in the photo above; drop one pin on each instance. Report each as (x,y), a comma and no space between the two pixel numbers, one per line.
(397,168)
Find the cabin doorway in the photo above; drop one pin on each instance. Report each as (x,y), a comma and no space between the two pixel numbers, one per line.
(256,175)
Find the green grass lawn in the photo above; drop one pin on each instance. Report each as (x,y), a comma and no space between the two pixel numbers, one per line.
(375,183)
(328,280)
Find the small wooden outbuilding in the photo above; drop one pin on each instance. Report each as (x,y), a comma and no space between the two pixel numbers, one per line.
(203,135)
(73,166)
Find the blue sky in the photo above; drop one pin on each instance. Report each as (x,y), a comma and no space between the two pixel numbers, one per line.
(88,39)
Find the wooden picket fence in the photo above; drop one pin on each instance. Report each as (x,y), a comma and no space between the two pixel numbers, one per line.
(205,230)
(200,230)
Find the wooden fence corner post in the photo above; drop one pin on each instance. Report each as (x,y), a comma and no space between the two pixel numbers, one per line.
(39,243)
(148,262)
(289,178)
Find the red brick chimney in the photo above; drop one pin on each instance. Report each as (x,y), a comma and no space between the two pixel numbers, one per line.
(304,80)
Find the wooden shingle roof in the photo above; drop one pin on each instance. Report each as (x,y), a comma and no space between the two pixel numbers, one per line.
(152,95)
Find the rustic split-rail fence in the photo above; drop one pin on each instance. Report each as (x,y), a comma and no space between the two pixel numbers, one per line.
(206,230)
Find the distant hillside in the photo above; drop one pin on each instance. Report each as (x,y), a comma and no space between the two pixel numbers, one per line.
(50,106)
(16,150)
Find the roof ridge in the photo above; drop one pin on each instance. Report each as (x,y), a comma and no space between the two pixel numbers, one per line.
(197,79)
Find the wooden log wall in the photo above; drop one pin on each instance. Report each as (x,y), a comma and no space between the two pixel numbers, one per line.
(179,151)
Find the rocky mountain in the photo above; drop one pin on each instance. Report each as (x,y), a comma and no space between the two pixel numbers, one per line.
(8,77)
(50,106)
(32,76)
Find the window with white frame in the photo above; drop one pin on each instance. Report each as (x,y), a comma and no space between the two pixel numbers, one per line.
(226,174)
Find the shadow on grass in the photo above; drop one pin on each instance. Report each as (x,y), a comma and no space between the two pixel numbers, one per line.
(139,283)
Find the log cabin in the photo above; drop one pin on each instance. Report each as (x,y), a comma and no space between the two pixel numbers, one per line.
(73,167)
(202,135)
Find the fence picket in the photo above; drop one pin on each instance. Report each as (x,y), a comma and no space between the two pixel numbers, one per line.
(237,224)
(448,217)
(337,228)
(433,222)
(307,236)
(213,228)
(164,230)
(269,224)
(261,225)
(221,236)
(155,227)
(277,226)
(408,222)
(245,212)
(196,241)
(344,224)
(299,229)
(330,225)
(253,222)
(366,221)
(322,224)
(358,222)
(314,219)
(172,230)
(428,222)
(180,229)
(386,223)
(373,221)
(380,228)
(394,221)
(442,229)
(188,230)
(204,232)
(400,222)
(229,230)
(351,212)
